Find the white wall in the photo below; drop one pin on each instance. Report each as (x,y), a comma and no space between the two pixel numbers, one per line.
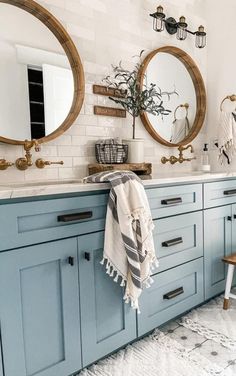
(106,31)
(221,65)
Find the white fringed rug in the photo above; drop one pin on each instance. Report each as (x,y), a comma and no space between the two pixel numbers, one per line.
(156,355)
(214,323)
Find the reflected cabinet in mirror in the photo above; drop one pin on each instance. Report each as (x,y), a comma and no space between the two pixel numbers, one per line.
(174,71)
(41,75)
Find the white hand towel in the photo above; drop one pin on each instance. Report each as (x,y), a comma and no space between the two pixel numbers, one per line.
(226,135)
(180,129)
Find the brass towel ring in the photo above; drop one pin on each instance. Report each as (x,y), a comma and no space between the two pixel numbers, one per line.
(185,105)
(232,98)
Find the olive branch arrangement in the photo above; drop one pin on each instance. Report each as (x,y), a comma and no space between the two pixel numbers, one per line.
(134,98)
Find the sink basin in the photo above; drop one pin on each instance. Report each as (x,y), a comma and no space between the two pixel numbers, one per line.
(41,183)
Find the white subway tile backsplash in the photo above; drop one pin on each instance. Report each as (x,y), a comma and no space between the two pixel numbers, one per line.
(80,32)
(77,129)
(81,9)
(98,5)
(34,173)
(88,109)
(71,150)
(87,120)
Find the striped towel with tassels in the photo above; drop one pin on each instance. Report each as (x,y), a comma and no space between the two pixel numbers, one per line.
(129,254)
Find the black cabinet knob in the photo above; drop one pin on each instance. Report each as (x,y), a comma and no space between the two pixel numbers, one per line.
(71,260)
(87,256)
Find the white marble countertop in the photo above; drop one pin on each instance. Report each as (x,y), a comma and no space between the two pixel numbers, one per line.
(37,188)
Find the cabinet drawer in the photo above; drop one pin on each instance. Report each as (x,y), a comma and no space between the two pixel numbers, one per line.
(178,239)
(172,293)
(40,221)
(219,193)
(174,200)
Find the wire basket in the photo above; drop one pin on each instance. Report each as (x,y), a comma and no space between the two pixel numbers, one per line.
(111,153)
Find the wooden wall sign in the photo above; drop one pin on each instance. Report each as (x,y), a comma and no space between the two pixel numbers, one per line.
(109,111)
(108,91)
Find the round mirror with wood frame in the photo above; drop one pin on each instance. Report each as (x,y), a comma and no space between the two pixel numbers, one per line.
(198,88)
(75,63)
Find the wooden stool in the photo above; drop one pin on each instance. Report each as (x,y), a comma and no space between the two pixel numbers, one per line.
(231,261)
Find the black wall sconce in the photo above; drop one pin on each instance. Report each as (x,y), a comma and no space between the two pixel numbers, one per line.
(179,28)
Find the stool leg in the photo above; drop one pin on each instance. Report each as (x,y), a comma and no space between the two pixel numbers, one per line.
(229,280)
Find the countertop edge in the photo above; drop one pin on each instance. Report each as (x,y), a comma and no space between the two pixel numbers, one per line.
(7,192)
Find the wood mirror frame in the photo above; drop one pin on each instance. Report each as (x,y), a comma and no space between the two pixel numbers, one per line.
(199,90)
(72,54)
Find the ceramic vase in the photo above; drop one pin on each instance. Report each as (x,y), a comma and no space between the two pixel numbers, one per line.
(136,150)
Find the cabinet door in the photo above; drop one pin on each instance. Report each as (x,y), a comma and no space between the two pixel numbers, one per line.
(234,228)
(1,370)
(39,310)
(107,323)
(217,244)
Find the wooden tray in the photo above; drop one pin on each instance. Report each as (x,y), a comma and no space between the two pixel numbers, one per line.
(138,168)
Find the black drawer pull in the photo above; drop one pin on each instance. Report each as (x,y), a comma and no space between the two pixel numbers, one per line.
(174,293)
(172,242)
(74,216)
(229,218)
(171,201)
(71,261)
(230,192)
(87,256)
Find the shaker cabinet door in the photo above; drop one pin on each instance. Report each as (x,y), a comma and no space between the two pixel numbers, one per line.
(107,322)
(234,228)
(217,244)
(40,315)
(1,369)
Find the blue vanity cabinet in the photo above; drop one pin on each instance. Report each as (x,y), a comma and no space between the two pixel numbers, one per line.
(217,244)
(39,311)
(107,323)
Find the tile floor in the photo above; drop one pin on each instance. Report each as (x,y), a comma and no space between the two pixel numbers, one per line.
(209,349)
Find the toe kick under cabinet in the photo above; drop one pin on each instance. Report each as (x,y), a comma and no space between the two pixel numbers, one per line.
(60,311)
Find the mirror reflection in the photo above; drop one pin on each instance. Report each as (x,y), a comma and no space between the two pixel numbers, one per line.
(170,74)
(37,87)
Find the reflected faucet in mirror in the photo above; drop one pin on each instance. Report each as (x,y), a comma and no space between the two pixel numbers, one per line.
(173,159)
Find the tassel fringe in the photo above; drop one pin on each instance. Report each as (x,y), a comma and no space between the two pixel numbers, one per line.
(113,273)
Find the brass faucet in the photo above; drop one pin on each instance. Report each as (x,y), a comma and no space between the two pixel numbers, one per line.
(180,158)
(41,163)
(25,162)
(4,164)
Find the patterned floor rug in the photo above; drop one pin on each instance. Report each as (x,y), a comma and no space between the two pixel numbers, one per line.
(214,323)
(201,343)
(156,355)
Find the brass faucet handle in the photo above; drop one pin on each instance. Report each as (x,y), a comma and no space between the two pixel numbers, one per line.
(164,160)
(41,163)
(22,164)
(4,164)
